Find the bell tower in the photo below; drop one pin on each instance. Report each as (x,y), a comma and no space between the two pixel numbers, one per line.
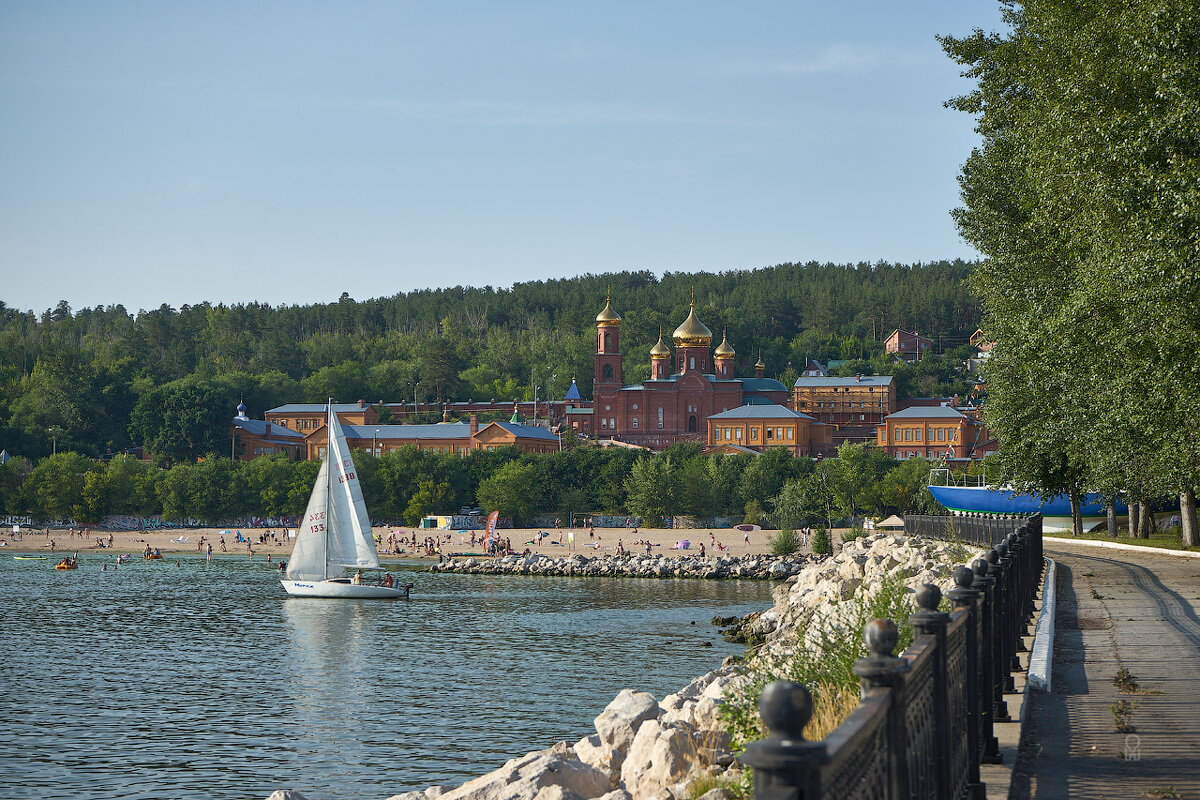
(608,347)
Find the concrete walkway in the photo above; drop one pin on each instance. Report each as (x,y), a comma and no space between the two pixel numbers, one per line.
(1117,609)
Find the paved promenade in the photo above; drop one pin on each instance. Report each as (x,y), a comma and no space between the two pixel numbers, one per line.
(1117,610)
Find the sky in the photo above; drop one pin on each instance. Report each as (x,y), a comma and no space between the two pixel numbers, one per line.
(287,152)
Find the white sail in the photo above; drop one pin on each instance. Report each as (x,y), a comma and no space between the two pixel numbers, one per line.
(335,534)
(307,562)
(351,543)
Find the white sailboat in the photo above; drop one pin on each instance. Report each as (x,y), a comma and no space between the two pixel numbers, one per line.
(335,536)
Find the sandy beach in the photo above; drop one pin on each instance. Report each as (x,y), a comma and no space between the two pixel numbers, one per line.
(716,541)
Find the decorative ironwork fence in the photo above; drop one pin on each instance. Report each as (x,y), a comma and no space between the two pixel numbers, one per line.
(925,721)
(985,530)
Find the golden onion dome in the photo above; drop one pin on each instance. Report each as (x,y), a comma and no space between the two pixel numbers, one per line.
(692,331)
(608,316)
(723,349)
(659,349)
(760,364)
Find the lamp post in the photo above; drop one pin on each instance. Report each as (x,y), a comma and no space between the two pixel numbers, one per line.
(374,446)
(550,406)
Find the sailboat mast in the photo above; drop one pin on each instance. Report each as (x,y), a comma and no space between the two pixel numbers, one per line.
(328,481)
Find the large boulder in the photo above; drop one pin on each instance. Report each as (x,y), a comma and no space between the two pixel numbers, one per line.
(618,723)
(663,754)
(553,774)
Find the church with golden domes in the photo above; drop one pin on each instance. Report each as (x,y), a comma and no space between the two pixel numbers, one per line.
(684,389)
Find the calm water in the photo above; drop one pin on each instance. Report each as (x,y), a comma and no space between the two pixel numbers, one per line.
(206,681)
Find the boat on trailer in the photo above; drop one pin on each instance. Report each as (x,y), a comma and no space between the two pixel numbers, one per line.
(335,537)
(1006,501)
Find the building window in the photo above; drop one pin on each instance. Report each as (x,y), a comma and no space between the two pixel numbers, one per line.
(608,408)
(608,372)
(791,434)
(917,434)
(770,433)
(692,362)
(692,424)
(908,434)
(660,417)
(716,434)
(635,423)
(737,433)
(635,406)
(941,434)
(896,431)
(612,424)
(754,434)
(603,424)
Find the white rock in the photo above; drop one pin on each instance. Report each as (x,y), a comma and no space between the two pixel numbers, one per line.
(595,753)
(545,775)
(618,723)
(661,755)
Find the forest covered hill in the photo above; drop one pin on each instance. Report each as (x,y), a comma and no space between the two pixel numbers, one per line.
(99,380)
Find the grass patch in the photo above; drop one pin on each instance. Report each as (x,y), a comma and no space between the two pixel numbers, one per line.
(1122,712)
(821,657)
(1169,539)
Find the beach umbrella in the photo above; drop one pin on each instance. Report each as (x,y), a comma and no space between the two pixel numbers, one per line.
(892,522)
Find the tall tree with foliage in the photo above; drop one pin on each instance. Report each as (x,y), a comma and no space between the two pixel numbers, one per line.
(1084,196)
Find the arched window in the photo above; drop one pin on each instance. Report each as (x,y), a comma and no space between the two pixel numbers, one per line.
(608,372)
(692,362)
(660,417)
(692,424)
(607,341)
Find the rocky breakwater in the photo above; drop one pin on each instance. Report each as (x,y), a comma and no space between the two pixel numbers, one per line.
(645,749)
(633,566)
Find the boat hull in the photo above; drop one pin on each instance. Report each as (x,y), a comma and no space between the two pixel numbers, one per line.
(343,589)
(1056,511)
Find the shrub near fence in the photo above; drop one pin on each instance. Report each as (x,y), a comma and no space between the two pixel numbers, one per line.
(924,724)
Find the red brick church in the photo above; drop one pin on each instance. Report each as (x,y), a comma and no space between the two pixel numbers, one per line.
(683,390)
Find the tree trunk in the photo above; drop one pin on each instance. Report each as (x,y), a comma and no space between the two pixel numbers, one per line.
(1147,523)
(1110,511)
(1076,513)
(1135,518)
(1187,512)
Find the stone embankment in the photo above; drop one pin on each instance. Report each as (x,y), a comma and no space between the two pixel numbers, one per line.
(646,749)
(633,566)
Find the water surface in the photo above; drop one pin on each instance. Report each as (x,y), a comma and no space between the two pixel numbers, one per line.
(205,681)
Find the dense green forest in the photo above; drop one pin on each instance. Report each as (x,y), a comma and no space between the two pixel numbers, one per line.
(97,381)
(407,484)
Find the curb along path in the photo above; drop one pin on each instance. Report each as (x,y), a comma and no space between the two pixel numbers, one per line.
(1118,610)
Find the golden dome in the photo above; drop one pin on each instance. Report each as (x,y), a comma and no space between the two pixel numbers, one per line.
(659,349)
(723,349)
(760,364)
(608,316)
(692,331)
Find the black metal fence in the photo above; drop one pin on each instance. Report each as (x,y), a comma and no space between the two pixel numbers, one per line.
(984,530)
(924,724)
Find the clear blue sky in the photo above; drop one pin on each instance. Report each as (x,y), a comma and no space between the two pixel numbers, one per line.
(285,152)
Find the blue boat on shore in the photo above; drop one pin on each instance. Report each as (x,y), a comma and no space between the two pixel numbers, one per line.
(1056,511)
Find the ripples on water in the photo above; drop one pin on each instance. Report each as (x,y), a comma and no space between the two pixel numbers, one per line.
(206,681)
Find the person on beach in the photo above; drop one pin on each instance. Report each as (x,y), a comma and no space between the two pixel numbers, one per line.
(223,550)
(210,551)
(746,536)
(702,549)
